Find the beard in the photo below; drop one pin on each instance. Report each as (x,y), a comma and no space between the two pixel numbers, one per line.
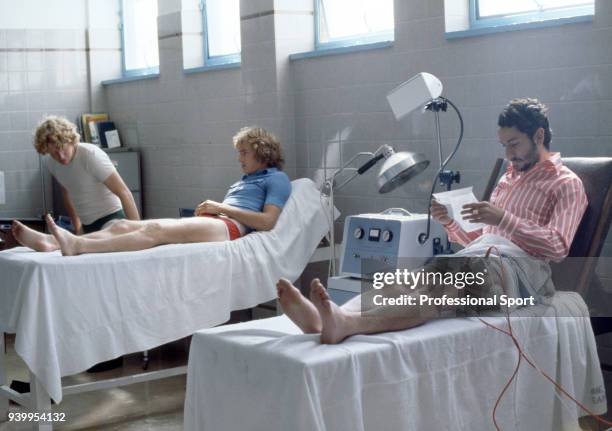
(529,160)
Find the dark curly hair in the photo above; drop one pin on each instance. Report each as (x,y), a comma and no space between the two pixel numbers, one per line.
(527,115)
(266,146)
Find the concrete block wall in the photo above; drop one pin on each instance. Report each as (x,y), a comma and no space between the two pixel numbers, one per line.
(52,59)
(325,109)
(41,72)
(341,107)
(183,123)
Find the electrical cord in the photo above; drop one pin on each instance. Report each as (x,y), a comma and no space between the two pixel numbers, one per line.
(509,332)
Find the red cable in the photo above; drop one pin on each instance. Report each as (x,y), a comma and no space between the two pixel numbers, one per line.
(531,363)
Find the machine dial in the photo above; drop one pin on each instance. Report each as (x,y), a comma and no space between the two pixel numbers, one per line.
(358,233)
(387,235)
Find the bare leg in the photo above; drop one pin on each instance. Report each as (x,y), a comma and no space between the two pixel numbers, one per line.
(151,234)
(339,323)
(43,242)
(299,309)
(117,227)
(31,238)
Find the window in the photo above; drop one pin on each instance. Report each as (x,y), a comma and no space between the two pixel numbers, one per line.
(491,13)
(221,20)
(353,22)
(139,37)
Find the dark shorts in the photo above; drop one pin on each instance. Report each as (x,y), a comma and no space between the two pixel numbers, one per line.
(97,225)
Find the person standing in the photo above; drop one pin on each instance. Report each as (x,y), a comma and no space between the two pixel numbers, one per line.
(92,190)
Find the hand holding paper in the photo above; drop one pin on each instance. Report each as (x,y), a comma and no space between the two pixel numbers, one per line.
(454,202)
(483,212)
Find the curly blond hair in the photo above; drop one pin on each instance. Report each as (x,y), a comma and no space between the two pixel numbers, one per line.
(54,130)
(266,146)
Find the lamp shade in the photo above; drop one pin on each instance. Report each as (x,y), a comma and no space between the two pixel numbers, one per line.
(413,94)
(399,168)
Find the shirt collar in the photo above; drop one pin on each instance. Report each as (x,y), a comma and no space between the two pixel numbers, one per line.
(259,172)
(551,164)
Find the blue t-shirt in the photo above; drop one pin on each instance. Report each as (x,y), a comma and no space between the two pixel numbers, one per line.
(263,187)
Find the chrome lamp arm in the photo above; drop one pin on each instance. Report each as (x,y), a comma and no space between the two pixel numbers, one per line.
(329,188)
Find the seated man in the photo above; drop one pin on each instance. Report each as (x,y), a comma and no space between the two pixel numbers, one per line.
(253,203)
(534,211)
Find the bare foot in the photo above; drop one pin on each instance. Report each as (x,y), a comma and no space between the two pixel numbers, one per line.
(335,328)
(297,308)
(30,238)
(67,241)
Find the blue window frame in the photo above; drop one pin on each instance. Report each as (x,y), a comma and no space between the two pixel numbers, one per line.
(221,21)
(495,13)
(139,40)
(341,23)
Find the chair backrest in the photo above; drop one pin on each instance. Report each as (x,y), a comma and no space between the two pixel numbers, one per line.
(596,175)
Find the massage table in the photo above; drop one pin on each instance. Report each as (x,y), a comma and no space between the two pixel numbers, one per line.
(69,313)
(447,374)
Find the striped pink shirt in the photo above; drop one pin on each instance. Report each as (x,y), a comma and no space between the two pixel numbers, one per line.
(543,205)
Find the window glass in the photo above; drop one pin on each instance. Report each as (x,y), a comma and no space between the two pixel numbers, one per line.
(139,27)
(491,8)
(354,19)
(222,27)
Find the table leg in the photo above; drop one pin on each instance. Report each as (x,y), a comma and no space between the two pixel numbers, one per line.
(41,403)
(4,401)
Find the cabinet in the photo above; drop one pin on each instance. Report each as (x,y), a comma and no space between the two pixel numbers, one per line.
(128,166)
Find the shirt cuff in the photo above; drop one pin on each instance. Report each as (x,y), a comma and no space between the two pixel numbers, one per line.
(452,227)
(509,223)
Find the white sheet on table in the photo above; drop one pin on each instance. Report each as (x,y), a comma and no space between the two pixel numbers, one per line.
(444,375)
(72,312)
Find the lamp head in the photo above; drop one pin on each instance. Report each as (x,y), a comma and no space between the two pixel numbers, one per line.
(399,168)
(413,94)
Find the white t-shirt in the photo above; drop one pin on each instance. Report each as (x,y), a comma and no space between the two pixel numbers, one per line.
(84,178)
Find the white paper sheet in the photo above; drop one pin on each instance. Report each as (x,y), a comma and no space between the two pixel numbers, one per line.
(70,313)
(443,375)
(454,201)
(112,139)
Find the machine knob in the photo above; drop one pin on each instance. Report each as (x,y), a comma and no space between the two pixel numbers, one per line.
(387,236)
(358,233)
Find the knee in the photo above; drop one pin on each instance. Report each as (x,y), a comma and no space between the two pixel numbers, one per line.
(119,226)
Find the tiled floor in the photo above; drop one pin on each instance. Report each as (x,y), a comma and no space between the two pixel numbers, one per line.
(155,406)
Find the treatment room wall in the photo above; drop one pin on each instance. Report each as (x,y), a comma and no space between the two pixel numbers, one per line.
(45,52)
(183,123)
(341,107)
(327,108)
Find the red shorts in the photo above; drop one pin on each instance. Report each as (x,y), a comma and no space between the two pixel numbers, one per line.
(232,229)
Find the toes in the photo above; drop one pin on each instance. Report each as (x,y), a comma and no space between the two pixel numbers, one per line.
(49,221)
(283,282)
(322,291)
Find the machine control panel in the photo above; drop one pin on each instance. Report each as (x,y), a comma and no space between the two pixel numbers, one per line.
(382,239)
